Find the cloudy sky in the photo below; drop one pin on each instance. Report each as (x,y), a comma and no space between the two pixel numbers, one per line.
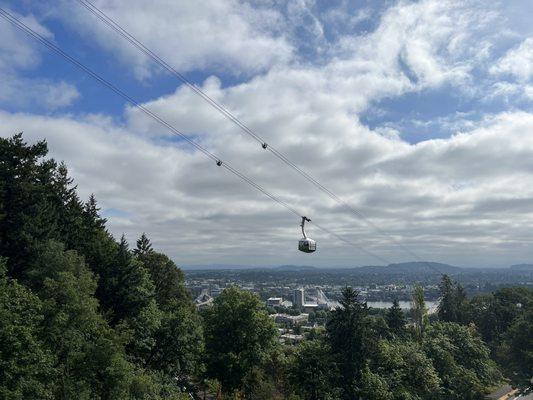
(417,113)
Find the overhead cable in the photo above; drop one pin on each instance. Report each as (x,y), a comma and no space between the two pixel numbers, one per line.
(44,41)
(110,22)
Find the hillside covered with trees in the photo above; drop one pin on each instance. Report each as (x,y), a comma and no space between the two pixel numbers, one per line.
(84,316)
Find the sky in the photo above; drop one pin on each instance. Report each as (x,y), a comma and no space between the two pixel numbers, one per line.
(419,114)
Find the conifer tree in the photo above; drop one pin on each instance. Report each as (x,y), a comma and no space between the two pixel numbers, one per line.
(347,334)
(452,301)
(396,318)
(143,246)
(419,311)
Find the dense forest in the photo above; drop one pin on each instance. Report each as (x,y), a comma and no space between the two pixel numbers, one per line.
(84,316)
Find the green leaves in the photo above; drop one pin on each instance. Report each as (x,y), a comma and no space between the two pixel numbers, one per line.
(239,335)
(26,365)
(461,360)
(83,318)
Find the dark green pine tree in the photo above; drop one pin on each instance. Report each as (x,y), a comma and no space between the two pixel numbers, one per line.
(27,214)
(347,332)
(128,286)
(452,302)
(396,319)
(143,246)
(92,214)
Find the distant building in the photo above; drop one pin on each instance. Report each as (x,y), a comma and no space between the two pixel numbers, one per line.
(274,301)
(290,338)
(299,297)
(203,300)
(291,320)
(310,307)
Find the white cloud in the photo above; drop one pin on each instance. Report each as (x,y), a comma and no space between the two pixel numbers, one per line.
(225,35)
(517,62)
(430,42)
(19,54)
(37,93)
(464,199)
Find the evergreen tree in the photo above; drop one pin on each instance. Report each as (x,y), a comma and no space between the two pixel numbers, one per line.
(408,372)
(516,351)
(26,212)
(452,301)
(347,334)
(396,318)
(144,246)
(419,311)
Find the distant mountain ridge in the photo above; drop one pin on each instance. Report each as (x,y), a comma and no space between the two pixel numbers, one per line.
(295,268)
(406,267)
(522,267)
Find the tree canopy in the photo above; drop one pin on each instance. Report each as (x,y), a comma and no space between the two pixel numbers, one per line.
(83,316)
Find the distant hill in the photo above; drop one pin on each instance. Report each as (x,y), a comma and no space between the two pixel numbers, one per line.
(281,268)
(398,268)
(208,267)
(522,267)
(411,267)
(295,268)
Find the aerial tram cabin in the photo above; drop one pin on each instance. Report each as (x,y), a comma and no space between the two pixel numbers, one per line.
(307,245)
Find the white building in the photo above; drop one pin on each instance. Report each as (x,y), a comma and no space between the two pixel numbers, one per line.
(274,301)
(299,297)
(291,320)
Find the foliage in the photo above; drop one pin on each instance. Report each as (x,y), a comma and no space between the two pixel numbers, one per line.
(310,371)
(239,335)
(396,319)
(80,315)
(419,311)
(405,367)
(26,365)
(347,334)
(83,316)
(517,349)
(461,359)
(452,302)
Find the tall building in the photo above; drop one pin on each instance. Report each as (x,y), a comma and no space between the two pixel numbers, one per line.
(299,297)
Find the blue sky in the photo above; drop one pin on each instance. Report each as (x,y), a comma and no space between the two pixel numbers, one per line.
(417,113)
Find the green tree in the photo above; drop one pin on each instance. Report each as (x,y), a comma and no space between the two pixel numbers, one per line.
(88,355)
(347,334)
(373,387)
(451,307)
(178,346)
(419,311)
(167,278)
(409,373)
(312,370)
(130,289)
(27,213)
(516,351)
(144,246)
(26,365)
(494,314)
(239,336)
(396,319)
(461,359)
